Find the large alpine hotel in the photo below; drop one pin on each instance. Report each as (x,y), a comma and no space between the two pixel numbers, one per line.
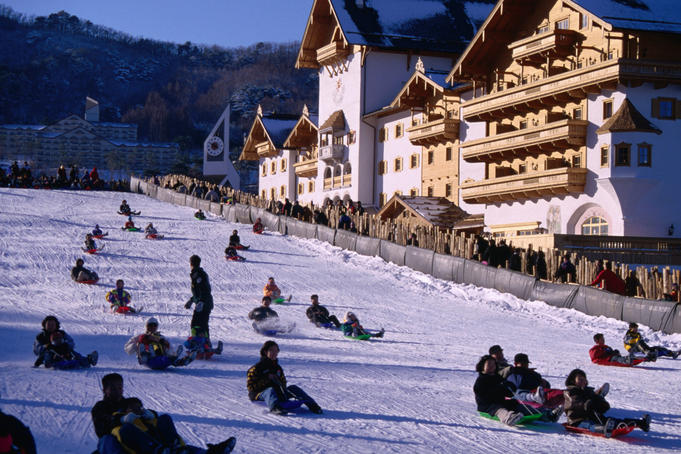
(555,116)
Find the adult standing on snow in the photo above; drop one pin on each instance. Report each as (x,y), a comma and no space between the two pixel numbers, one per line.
(201,297)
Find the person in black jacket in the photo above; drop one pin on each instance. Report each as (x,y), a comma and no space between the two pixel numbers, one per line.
(566,272)
(266,381)
(81,274)
(491,393)
(201,297)
(15,436)
(319,315)
(586,408)
(263,311)
(114,421)
(528,383)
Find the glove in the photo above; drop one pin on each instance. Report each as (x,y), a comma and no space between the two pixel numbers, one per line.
(199,306)
(129,418)
(188,304)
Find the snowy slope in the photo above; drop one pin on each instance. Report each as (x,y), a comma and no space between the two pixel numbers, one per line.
(410,392)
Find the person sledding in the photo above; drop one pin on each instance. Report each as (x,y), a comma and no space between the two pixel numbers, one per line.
(605,355)
(352,328)
(15,437)
(232,254)
(151,233)
(266,382)
(531,389)
(258,228)
(319,315)
(98,233)
(494,397)
(274,292)
(263,311)
(119,299)
(153,350)
(123,425)
(130,225)
(235,241)
(266,320)
(83,275)
(585,408)
(634,343)
(503,367)
(124,209)
(89,244)
(56,349)
(200,215)
(200,343)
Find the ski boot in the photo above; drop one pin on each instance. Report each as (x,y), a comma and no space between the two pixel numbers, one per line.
(218,350)
(644,423)
(224,447)
(609,427)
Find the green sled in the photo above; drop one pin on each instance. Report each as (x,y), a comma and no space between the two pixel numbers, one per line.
(528,419)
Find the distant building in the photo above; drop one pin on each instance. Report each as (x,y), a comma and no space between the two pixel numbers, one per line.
(86,142)
(217,164)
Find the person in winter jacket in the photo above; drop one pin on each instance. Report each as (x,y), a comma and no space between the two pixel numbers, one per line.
(632,285)
(124,208)
(586,407)
(610,281)
(150,231)
(263,311)
(527,383)
(123,425)
(503,367)
(271,289)
(566,272)
(352,328)
(202,299)
(90,244)
(235,241)
(319,315)
(492,394)
(634,343)
(97,231)
(603,354)
(201,344)
(81,274)
(15,437)
(200,215)
(266,382)
(61,355)
(258,228)
(119,298)
(153,350)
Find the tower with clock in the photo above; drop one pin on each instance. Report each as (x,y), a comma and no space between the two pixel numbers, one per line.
(216,161)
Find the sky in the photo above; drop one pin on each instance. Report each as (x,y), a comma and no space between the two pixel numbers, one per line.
(226,23)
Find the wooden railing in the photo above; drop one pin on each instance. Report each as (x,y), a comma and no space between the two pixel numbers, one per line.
(433,132)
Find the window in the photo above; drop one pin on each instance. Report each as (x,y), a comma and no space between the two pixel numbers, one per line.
(595,225)
(383,134)
(430,157)
(666,109)
(263,194)
(448,190)
(282,190)
(544,28)
(264,170)
(414,192)
(273,167)
(338,140)
(577,114)
(414,161)
(283,165)
(381,199)
(563,24)
(310,186)
(622,155)
(382,167)
(577,160)
(352,137)
(398,130)
(301,188)
(398,164)
(644,155)
(273,194)
(584,20)
(448,154)
(522,124)
(430,191)
(607,109)
(522,168)
(605,151)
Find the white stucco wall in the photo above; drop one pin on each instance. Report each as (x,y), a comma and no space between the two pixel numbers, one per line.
(285,177)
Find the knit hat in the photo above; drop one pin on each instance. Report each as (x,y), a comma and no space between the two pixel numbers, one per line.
(152,321)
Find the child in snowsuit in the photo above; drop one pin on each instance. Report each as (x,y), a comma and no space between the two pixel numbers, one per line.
(153,349)
(603,354)
(258,228)
(119,299)
(199,215)
(633,342)
(97,231)
(129,224)
(234,239)
(124,208)
(586,408)
(150,231)
(231,254)
(271,289)
(352,328)
(201,344)
(266,381)
(42,346)
(319,315)
(90,244)
(81,274)
(60,355)
(491,394)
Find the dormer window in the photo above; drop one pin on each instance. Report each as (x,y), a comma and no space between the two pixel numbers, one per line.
(563,24)
(543,28)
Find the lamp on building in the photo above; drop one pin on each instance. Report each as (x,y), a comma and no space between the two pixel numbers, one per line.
(670,230)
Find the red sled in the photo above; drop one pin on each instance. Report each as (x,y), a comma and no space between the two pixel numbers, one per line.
(204,355)
(241,247)
(91,251)
(634,362)
(99,237)
(124,310)
(236,258)
(618,432)
(153,236)
(258,232)
(89,281)
(554,398)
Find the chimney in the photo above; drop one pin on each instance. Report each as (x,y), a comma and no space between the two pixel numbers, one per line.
(91,109)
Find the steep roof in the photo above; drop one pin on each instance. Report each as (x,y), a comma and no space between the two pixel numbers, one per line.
(278,127)
(336,121)
(428,25)
(628,119)
(437,211)
(651,15)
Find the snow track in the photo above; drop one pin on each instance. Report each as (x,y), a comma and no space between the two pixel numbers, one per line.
(408,392)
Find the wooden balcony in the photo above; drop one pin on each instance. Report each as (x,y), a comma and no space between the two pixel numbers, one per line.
(265,150)
(328,183)
(434,132)
(555,136)
(332,53)
(306,166)
(337,182)
(347,180)
(535,185)
(535,49)
(568,86)
(332,153)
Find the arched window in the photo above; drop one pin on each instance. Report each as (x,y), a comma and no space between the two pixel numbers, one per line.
(595,225)
(337,171)
(327,172)
(347,169)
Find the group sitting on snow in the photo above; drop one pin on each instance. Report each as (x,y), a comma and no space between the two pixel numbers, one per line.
(153,350)
(56,349)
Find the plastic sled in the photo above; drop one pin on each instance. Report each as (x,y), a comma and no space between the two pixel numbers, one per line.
(68,364)
(361,337)
(616,364)
(236,258)
(241,247)
(204,355)
(89,281)
(282,300)
(131,229)
(618,432)
(527,419)
(153,236)
(99,237)
(327,325)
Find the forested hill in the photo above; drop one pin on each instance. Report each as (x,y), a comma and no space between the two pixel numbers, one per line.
(174,92)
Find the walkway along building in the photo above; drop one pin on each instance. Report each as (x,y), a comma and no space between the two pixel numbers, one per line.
(555,116)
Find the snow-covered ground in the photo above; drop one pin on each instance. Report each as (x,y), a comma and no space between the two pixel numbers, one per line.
(409,392)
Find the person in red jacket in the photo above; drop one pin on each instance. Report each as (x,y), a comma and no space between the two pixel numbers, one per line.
(611,282)
(603,354)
